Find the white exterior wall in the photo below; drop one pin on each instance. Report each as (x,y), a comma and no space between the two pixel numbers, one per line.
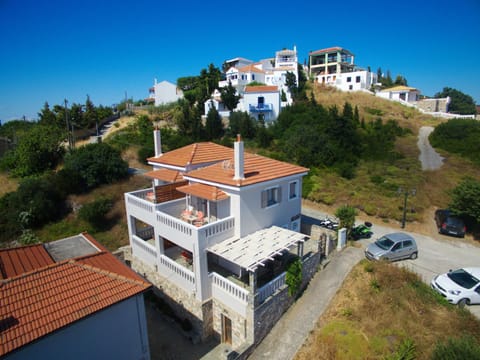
(271,98)
(118,332)
(251,217)
(410,96)
(166,92)
(359,80)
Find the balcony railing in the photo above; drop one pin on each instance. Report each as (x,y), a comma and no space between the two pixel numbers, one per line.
(177,274)
(270,288)
(144,251)
(229,293)
(260,107)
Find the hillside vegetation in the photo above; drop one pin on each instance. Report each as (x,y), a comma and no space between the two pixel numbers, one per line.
(374,188)
(383,311)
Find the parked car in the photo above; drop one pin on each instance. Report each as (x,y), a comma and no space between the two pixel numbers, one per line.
(363,231)
(390,247)
(449,224)
(460,287)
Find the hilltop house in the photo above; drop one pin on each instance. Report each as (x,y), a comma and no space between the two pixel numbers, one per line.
(215,234)
(164,92)
(70,299)
(401,93)
(271,74)
(335,67)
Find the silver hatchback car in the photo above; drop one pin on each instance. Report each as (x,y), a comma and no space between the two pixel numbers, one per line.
(390,247)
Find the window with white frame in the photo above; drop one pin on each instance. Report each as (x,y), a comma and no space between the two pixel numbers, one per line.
(293,190)
(271,196)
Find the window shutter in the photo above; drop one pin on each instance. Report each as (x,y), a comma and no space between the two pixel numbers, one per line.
(279,194)
(264,198)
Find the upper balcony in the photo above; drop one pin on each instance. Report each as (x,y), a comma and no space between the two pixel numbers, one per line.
(260,107)
(177,219)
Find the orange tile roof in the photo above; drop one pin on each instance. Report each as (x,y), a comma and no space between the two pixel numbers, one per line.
(20,260)
(256,169)
(253,89)
(38,296)
(194,154)
(250,68)
(203,191)
(165,175)
(40,302)
(330,49)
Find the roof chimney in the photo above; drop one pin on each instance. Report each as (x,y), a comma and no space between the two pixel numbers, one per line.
(238,150)
(157,141)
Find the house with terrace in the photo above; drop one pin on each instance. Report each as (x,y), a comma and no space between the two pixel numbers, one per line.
(70,299)
(215,234)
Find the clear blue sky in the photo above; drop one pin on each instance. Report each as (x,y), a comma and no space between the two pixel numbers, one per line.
(55,50)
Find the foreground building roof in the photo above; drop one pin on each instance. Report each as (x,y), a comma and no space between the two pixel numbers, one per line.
(39,295)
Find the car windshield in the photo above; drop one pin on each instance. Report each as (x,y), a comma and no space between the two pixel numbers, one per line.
(463,278)
(384,243)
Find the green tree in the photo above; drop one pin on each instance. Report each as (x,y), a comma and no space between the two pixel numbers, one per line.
(94,212)
(293,277)
(466,199)
(229,96)
(291,83)
(460,103)
(96,164)
(346,215)
(47,116)
(38,150)
(90,116)
(400,80)
(213,125)
(240,122)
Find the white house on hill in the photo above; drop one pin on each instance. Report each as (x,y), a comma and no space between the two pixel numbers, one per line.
(215,233)
(164,92)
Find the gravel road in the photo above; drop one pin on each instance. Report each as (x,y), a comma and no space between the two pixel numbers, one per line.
(429,158)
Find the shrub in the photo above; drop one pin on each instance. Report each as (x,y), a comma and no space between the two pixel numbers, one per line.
(294,277)
(96,164)
(94,212)
(465,347)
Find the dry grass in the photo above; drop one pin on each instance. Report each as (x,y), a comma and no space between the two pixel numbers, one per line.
(114,233)
(9,184)
(380,200)
(379,306)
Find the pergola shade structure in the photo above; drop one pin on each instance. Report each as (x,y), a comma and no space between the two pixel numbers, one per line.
(258,248)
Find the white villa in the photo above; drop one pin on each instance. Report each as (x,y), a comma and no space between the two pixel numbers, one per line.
(271,72)
(335,67)
(164,92)
(401,93)
(215,233)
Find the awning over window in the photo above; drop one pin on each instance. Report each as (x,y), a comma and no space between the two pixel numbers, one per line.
(211,193)
(258,248)
(167,175)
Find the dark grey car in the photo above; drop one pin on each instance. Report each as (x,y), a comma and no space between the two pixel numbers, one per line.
(395,246)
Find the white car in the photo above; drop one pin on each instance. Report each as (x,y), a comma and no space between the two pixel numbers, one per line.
(460,286)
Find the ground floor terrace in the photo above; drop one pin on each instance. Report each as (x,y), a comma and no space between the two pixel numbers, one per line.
(247,289)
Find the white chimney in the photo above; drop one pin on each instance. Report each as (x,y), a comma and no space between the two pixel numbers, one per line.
(157,142)
(238,150)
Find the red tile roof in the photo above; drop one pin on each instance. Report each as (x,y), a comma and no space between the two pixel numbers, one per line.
(254,89)
(256,169)
(168,175)
(330,49)
(38,296)
(40,302)
(20,260)
(203,191)
(251,68)
(193,154)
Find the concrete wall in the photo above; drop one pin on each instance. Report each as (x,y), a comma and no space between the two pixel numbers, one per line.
(433,105)
(118,332)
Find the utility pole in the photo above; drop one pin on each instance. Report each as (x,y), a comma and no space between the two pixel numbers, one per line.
(68,127)
(406,192)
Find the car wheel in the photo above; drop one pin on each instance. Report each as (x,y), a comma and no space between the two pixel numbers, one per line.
(462,302)
(369,236)
(414,256)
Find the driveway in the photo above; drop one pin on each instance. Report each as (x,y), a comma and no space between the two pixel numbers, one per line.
(429,158)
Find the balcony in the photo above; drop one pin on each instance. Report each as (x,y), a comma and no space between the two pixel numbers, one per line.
(260,107)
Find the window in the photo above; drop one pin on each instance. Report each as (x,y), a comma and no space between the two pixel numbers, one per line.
(397,246)
(357,79)
(350,87)
(271,196)
(407,243)
(349,79)
(293,190)
(253,76)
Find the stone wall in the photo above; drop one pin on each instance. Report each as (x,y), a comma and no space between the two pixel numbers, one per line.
(183,304)
(239,324)
(433,105)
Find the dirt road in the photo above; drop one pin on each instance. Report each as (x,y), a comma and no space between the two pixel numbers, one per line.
(429,158)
